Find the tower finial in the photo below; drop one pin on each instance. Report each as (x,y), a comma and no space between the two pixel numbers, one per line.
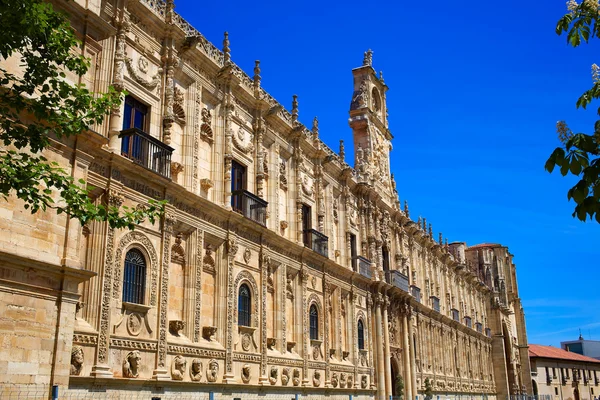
(441,240)
(430,232)
(424,227)
(381,77)
(257,77)
(342,151)
(295,108)
(368,58)
(406,209)
(315,127)
(226,50)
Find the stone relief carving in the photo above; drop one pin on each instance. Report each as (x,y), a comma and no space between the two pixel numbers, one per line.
(364,381)
(176,326)
(334,379)
(209,333)
(208,261)
(289,287)
(246,341)
(273,375)
(143,64)
(246,373)
(247,255)
(178,367)
(212,371)
(151,84)
(296,377)
(131,364)
(317,378)
(360,98)
(206,132)
(350,381)
(244,141)
(285,376)
(283,182)
(196,370)
(177,251)
(335,211)
(76,360)
(307,186)
(343,380)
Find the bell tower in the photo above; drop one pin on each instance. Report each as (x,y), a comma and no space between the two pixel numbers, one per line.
(368,120)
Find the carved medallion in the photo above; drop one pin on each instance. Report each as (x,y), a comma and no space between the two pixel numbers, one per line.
(246,341)
(247,255)
(134,324)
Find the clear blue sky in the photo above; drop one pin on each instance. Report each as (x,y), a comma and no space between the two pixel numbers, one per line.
(475,92)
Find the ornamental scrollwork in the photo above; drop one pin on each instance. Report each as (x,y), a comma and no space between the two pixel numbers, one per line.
(154,81)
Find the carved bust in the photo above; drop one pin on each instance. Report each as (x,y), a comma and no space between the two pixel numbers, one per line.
(285,376)
(212,371)
(364,381)
(196,370)
(296,377)
(76,360)
(246,373)
(273,375)
(131,364)
(178,368)
(317,378)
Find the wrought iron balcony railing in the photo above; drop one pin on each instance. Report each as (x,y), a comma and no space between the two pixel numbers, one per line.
(468,322)
(435,303)
(416,293)
(364,267)
(316,241)
(398,279)
(455,315)
(146,151)
(250,206)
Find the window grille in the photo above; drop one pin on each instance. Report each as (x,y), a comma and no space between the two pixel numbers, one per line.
(134,277)
(314,323)
(361,335)
(244,306)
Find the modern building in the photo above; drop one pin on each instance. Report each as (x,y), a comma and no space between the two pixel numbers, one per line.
(590,348)
(279,268)
(558,374)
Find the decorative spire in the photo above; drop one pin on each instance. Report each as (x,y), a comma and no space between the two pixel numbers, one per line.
(226,50)
(420,222)
(368,58)
(257,77)
(441,240)
(424,227)
(315,127)
(446,241)
(430,232)
(406,209)
(295,108)
(342,151)
(381,77)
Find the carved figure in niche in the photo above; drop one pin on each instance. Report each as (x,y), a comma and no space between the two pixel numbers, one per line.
(334,379)
(317,378)
(283,183)
(364,380)
(246,373)
(76,360)
(289,287)
(208,262)
(196,370)
(350,381)
(342,380)
(131,364)
(361,97)
(285,376)
(212,371)
(178,366)
(296,377)
(273,375)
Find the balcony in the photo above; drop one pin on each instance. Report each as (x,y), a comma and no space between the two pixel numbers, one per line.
(468,322)
(435,303)
(416,293)
(316,241)
(478,327)
(398,279)
(364,266)
(146,151)
(250,206)
(455,315)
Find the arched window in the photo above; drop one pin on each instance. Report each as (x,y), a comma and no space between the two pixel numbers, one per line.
(314,323)
(134,277)
(361,335)
(244,302)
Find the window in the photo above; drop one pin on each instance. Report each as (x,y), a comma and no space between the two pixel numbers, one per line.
(134,116)
(306,224)
(244,301)
(134,277)
(386,258)
(556,391)
(238,182)
(361,335)
(314,323)
(353,254)
(553,372)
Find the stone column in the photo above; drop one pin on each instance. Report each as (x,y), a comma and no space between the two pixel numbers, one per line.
(386,348)
(352,344)
(115,122)
(369,339)
(161,372)
(101,369)
(193,285)
(232,249)
(406,355)
(304,335)
(265,261)
(413,370)
(379,337)
(327,309)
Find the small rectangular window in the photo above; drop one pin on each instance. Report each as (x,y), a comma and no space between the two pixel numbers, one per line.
(353,253)
(556,391)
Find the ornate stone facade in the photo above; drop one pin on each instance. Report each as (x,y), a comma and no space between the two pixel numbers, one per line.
(346,292)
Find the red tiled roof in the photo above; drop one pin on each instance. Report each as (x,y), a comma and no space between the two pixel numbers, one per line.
(536,350)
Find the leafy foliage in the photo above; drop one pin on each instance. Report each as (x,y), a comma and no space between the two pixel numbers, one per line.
(579,154)
(40,104)
(428,389)
(399,386)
